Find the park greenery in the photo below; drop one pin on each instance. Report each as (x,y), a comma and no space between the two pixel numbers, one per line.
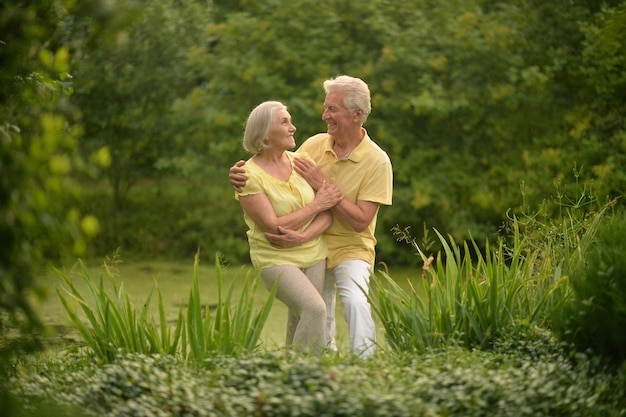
(504,122)
(496,339)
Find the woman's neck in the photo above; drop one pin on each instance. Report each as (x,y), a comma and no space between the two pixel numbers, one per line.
(276,164)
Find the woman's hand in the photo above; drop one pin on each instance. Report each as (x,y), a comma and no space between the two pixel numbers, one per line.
(285,238)
(328,196)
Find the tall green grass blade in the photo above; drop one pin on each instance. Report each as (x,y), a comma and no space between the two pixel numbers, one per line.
(115,324)
(258,323)
(232,327)
(195,326)
(179,339)
(84,331)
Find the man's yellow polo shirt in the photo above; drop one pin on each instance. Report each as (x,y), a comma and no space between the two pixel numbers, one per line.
(365,174)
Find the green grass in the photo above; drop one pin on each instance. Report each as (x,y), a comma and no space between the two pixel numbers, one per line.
(110,323)
(174,281)
(470,301)
(526,373)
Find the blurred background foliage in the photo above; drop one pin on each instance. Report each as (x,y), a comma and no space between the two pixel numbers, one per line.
(471,99)
(120,118)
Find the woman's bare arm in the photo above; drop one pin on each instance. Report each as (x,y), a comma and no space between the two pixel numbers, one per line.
(287,238)
(259,207)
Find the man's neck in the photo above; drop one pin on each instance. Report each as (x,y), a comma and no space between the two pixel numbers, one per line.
(345,144)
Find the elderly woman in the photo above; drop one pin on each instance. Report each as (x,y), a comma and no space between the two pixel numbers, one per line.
(276,198)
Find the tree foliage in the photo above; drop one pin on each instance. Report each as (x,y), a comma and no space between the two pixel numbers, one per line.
(472,100)
(126,84)
(483,106)
(36,154)
(40,129)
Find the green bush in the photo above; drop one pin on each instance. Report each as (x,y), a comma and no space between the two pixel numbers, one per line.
(169,219)
(271,384)
(595,318)
(469,298)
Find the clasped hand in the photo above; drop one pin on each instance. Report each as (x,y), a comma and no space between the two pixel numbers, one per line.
(328,195)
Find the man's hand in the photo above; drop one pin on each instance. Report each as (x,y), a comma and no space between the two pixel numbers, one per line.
(310,172)
(285,238)
(237,177)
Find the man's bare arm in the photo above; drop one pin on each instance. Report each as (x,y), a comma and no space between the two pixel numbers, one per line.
(358,216)
(259,207)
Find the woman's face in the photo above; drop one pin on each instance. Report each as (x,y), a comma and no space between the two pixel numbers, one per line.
(281,134)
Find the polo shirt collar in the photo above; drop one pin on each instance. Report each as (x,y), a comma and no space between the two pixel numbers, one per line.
(361,150)
(357,153)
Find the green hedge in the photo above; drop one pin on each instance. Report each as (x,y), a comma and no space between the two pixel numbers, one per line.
(595,318)
(169,219)
(451,382)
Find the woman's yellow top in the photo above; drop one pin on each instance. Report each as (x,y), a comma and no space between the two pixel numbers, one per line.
(286,197)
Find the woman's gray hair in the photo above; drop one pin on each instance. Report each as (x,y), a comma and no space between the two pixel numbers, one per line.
(259,124)
(357,93)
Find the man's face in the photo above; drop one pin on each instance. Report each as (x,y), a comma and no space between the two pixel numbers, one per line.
(337,117)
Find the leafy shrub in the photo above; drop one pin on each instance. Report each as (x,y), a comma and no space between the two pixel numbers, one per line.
(469,301)
(595,318)
(170,219)
(269,384)
(473,295)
